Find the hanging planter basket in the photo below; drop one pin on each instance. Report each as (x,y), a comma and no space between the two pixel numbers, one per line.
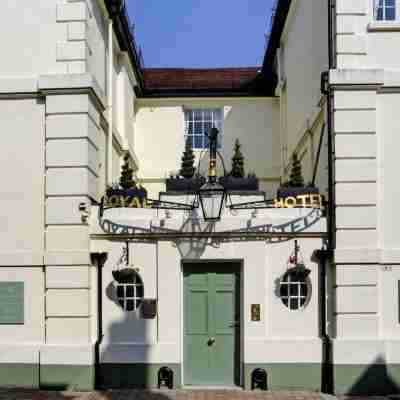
(299,271)
(124,275)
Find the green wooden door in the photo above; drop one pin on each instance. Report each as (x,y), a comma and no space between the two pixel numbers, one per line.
(211,324)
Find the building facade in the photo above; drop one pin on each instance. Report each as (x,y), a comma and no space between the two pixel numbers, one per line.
(205,303)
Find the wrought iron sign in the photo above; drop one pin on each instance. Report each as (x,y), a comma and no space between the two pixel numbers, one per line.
(131,198)
(211,197)
(136,198)
(303,201)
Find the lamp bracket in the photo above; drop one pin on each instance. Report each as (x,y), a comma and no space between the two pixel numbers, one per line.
(169,205)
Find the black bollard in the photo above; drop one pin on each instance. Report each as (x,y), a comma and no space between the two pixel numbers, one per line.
(165,378)
(259,379)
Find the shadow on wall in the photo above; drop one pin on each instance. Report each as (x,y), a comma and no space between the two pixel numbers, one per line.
(377,378)
(192,248)
(127,340)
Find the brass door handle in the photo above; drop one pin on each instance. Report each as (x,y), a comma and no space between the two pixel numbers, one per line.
(211,341)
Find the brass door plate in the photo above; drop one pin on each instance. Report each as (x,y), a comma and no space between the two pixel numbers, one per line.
(255,312)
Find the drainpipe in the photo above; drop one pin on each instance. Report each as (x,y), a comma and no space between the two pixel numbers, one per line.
(110,100)
(99,260)
(324,256)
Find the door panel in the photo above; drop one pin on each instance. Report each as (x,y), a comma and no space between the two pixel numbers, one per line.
(211,338)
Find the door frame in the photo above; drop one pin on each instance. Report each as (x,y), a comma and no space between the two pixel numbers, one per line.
(240,339)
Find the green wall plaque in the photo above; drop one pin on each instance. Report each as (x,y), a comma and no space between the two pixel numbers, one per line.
(11,302)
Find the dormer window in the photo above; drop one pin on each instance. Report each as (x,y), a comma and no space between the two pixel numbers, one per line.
(385,10)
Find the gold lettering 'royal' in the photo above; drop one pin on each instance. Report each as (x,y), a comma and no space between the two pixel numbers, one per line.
(116,201)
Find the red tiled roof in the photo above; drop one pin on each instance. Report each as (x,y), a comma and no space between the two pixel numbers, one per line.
(171,79)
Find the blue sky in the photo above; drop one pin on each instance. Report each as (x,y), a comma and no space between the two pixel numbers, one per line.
(201,33)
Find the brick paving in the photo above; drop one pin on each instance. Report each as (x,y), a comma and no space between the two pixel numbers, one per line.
(16,394)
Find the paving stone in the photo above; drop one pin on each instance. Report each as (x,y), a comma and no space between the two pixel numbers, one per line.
(199,394)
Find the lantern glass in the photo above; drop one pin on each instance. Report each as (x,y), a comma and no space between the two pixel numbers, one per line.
(212,196)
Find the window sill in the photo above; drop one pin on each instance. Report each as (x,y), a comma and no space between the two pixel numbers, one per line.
(384,26)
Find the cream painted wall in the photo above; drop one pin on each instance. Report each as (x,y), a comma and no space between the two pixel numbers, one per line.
(159,140)
(363,42)
(131,339)
(32,33)
(22,203)
(32,332)
(305,43)
(68,37)
(97,36)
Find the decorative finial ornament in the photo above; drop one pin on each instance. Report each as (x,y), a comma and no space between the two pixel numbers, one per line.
(188,157)
(237,161)
(126,180)
(296,177)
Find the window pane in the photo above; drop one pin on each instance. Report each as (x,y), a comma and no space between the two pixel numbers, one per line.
(390,3)
(189,128)
(198,115)
(129,305)
(137,303)
(303,290)
(190,139)
(139,291)
(379,14)
(198,142)
(120,291)
(198,128)
(294,290)
(294,304)
(206,142)
(121,303)
(207,127)
(284,290)
(302,301)
(129,291)
(217,114)
(390,14)
(285,301)
(207,115)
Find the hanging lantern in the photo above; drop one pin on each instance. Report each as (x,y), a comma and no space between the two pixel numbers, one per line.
(212,196)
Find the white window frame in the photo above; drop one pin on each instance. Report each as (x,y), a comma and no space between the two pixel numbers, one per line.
(286,281)
(377,4)
(137,300)
(217,123)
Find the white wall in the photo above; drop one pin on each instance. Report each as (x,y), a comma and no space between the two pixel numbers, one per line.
(22,165)
(282,335)
(363,42)
(32,332)
(32,33)
(97,37)
(305,43)
(159,139)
